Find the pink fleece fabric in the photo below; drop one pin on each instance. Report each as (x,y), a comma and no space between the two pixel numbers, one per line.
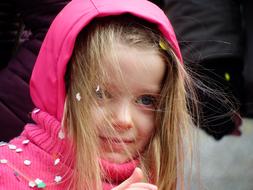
(48,155)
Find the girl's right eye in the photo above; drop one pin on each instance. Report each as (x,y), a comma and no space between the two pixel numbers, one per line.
(147,101)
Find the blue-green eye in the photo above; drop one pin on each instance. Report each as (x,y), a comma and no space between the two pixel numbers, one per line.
(147,100)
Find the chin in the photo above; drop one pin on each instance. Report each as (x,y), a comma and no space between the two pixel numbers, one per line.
(117,158)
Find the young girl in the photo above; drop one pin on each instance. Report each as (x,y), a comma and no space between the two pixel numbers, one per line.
(112,108)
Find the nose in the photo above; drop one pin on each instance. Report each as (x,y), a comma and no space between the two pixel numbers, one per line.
(122,116)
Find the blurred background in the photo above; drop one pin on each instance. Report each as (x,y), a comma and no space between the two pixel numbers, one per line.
(226,164)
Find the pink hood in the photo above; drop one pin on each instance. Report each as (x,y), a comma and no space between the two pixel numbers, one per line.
(47,85)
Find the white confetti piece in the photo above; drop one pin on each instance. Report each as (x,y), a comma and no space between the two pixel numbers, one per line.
(12,147)
(98,88)
(32,184)
(61,134)
(3,161)
(57,179)
(27,162)
(78,96)
(36,110)
(38,181)
(19,150)
(25,141)
(57,161)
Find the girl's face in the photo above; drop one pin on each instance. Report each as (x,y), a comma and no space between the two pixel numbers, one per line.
(129,101)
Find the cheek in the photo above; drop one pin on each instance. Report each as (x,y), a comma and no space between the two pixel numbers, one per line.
(146,126)
(97,117)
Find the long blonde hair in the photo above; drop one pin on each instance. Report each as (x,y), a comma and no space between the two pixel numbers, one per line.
(163,160)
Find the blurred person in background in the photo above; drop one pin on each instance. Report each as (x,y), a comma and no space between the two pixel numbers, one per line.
(23,25)
(216,40)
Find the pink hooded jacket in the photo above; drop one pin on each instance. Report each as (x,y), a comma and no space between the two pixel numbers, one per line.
(39,157)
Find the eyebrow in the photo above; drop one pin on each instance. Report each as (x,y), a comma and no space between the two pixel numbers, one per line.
(155,89)
(149,89)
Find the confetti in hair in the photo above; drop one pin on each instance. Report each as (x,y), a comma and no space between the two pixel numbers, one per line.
(98,88)
(78,96)
(163,45)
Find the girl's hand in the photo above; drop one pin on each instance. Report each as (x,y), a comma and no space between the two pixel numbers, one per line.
(134,182)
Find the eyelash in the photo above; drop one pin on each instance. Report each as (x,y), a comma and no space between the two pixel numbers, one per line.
(153,100)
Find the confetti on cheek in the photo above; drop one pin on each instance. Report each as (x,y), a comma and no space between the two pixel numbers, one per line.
(78,96)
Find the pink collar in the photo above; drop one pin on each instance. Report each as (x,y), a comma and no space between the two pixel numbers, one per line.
(48,135)
(117,173)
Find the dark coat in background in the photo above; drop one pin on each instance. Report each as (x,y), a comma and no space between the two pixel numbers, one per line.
(9,31)
(211,34)
(248,58)
(23,25)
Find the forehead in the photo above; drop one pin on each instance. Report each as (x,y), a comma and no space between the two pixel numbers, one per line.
(135,67)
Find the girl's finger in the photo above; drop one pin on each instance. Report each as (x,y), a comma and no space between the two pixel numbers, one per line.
(136,177)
